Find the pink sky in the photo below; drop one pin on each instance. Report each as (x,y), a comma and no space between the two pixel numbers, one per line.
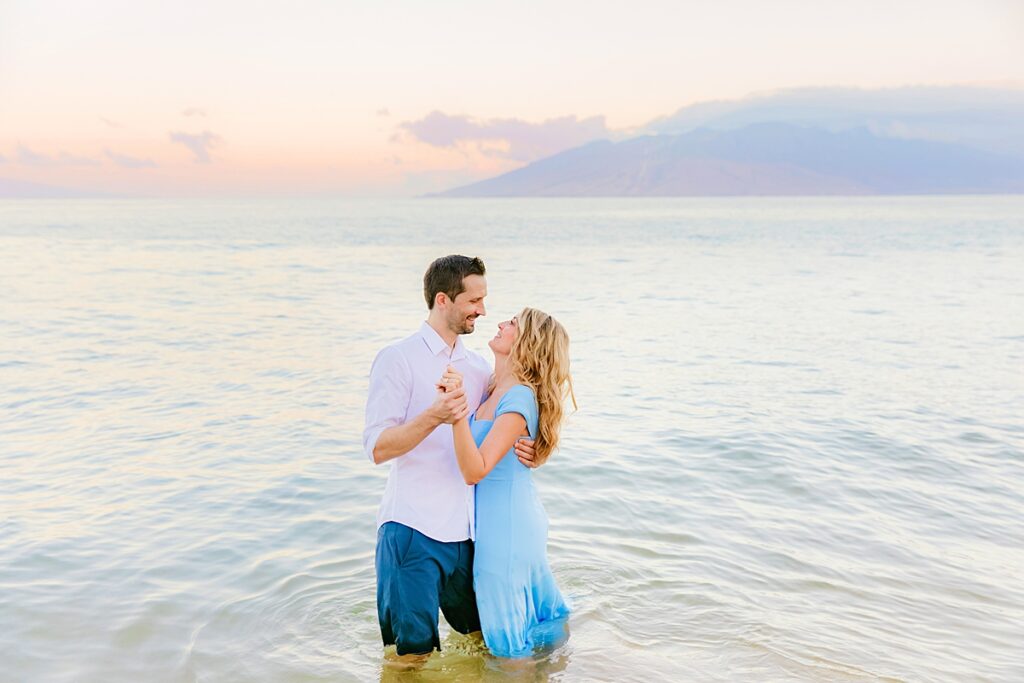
(399,98)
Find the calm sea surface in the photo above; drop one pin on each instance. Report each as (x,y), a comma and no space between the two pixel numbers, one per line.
(799,453)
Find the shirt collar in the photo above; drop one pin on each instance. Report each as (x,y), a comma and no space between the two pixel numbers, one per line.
(438,346)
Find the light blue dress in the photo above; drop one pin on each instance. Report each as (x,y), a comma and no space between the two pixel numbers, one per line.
(516,593)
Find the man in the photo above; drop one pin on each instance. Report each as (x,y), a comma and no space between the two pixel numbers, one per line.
(425,523)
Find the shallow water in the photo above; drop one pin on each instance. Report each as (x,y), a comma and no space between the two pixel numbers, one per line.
(798,456)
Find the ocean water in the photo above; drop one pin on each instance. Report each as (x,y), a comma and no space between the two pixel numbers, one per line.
(798,456)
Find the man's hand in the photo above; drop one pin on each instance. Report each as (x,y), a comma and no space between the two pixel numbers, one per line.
(450,407)
(526,454)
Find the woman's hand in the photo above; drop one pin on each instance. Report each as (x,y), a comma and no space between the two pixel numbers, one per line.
(450,380)
(449,384)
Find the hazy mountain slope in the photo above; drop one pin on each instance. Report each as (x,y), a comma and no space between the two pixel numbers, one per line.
(761,159)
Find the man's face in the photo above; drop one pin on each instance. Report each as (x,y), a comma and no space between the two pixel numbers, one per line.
(461,314)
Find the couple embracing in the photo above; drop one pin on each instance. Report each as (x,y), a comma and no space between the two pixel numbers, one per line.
(460,527)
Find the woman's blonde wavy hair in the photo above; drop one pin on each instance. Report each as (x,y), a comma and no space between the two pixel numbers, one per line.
(539,358)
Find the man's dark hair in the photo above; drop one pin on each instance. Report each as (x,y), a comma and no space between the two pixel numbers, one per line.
(446,274)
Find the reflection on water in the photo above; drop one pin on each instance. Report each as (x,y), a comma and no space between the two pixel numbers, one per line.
(798,454)
(465,658)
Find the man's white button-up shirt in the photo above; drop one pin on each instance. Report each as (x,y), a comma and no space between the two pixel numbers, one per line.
(425,489)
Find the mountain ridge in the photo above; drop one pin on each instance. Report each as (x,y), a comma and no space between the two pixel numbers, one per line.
(767,158)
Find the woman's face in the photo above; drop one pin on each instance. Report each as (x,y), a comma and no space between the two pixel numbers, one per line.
(508,330)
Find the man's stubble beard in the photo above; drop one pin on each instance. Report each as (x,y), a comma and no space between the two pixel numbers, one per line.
(462,326)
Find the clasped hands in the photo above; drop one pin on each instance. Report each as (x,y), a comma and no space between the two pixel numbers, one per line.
(451,406)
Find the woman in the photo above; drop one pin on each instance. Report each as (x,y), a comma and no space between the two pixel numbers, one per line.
(515,589)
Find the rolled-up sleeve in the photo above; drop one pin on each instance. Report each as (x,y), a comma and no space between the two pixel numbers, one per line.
(388,397)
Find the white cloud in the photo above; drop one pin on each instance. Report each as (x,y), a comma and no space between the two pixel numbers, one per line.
(125,161)
(199,144)
(29,157)
(513,139)
(988,118)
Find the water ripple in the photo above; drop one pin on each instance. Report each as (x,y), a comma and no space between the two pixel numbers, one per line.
(798,455)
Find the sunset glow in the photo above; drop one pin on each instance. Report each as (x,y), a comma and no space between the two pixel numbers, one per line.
(325,98)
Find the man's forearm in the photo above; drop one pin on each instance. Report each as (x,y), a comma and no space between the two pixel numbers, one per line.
(400,439)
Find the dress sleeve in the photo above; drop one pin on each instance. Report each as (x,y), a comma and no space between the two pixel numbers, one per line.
(520,399)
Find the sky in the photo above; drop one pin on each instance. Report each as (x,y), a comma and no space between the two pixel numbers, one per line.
(397,98)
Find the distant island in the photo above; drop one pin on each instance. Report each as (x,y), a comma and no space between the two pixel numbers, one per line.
(22,189)
(769,158)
